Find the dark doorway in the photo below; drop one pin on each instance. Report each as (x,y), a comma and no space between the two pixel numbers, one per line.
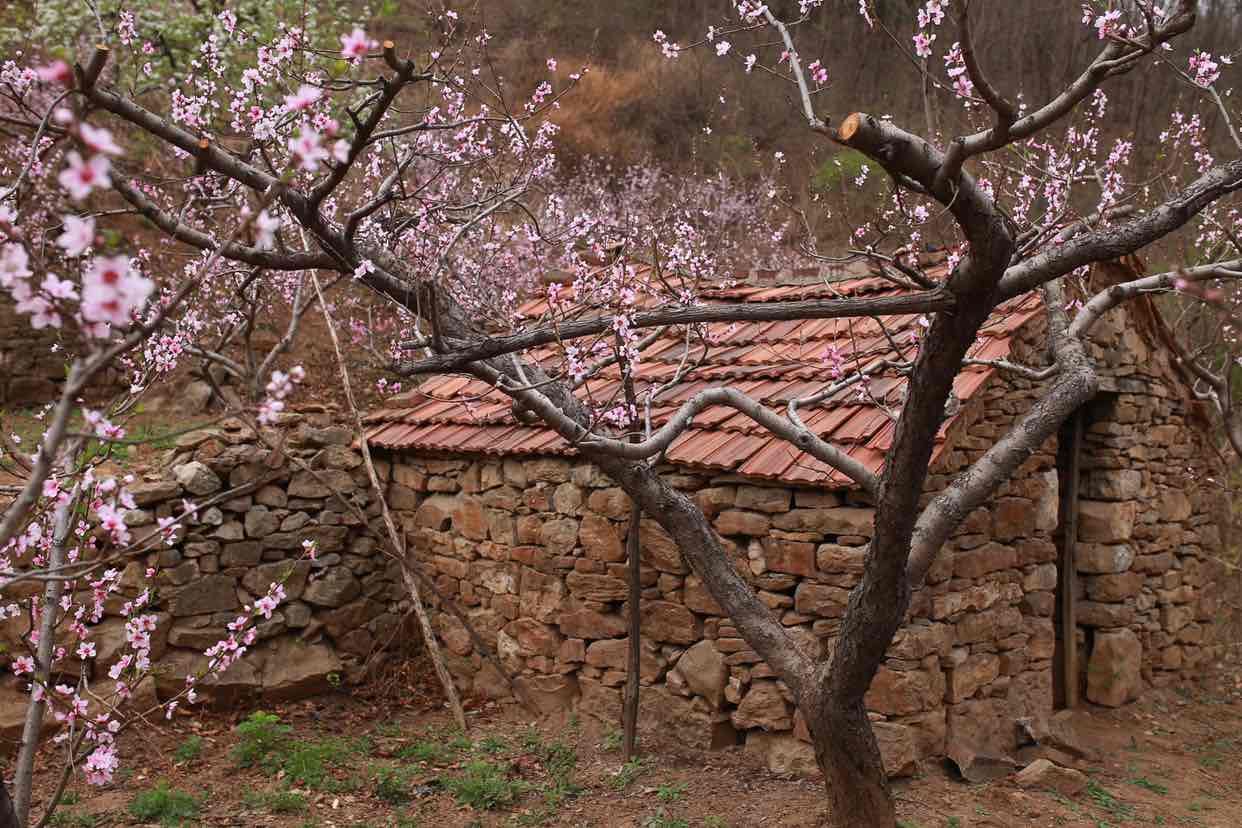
(1065,668)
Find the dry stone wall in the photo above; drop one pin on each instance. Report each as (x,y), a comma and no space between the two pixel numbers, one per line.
(32,364)
(31,372)
(1150,571)
(257,508)
(533,549)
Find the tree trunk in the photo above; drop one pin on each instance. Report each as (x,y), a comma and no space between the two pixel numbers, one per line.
(834,703)
(849,756)
(23,774)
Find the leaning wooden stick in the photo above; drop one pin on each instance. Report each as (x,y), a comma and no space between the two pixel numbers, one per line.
(399,548)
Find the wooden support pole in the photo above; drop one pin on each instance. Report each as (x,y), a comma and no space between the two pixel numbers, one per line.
(404,555)
(633,655)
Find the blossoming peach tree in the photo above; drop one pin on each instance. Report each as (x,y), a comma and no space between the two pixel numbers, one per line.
(415,172)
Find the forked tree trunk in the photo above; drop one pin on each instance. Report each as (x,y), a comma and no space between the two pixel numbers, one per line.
(834,702)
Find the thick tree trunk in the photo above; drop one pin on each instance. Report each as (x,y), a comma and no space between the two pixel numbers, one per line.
(834,704)
(849,756)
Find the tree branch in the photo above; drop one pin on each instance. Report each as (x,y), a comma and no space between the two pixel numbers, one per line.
(1115,242)
(1076,383)
(468,352)
(267,259)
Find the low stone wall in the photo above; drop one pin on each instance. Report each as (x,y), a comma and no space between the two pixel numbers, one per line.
(32,364)
(534,549)
(258,508)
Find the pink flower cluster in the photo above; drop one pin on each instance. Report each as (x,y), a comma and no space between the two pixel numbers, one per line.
(112,292)
(280,386)
(355,45)
(83,175)
(1204,70)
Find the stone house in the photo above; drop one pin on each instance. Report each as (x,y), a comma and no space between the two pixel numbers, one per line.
(1090,573)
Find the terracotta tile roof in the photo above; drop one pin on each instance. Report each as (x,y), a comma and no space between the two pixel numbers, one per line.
(771,361)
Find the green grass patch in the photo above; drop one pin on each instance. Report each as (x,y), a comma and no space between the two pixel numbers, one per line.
(392,784)
(266,743)
(311,764)
(428,752)
(189,750)
(1102,798)
(1147,784)
(626,775)
(491,745)
(259,736)
(662,820)
(484,786)
(671,792)
(276,802)
(165,805)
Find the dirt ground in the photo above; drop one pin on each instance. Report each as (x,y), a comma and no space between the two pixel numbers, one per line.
(389,756)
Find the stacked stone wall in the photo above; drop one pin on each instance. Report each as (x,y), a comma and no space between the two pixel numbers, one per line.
(256,510)
(1149,601)
(32,363)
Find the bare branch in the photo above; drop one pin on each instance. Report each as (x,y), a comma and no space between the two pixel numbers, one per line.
(1113,296)
(795,60)
(1006,112)
(467,352)
(267,259)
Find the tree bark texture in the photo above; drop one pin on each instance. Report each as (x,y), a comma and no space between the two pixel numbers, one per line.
(23,774)
(847,752)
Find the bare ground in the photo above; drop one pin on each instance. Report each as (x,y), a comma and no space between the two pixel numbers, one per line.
(389,757)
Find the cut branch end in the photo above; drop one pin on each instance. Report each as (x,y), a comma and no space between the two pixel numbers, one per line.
(88,76)
(390,56)
(849,127)
(200,162)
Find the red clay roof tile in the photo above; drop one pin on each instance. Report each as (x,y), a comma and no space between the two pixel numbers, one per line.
(773,362)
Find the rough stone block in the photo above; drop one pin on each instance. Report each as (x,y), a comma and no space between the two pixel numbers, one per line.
(1113,670)
(671,622)
(1100,559)
(1106,522)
